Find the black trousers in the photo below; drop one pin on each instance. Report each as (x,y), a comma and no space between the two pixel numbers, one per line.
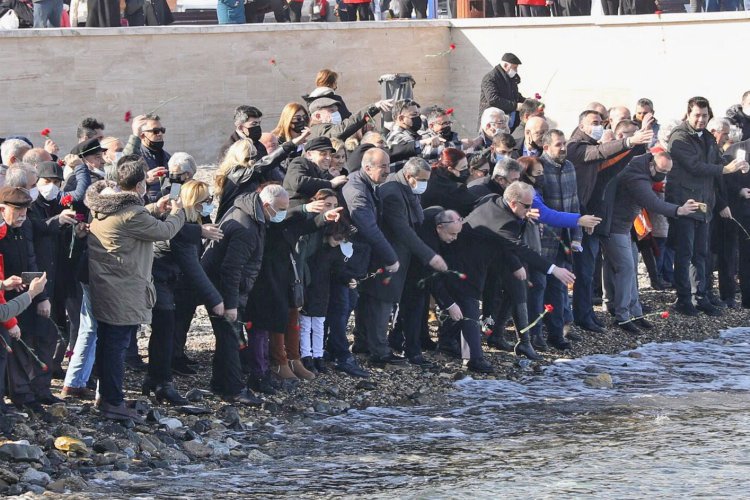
(466,331)
(610,7)
(744,261)
(185,305)
(724,244)
(575,8)
(295,11)
(533,11)
(412,320)
(406,7)
(372,315)
(502,8)
(363,10)
(160,346)
(26,378)
(226,376)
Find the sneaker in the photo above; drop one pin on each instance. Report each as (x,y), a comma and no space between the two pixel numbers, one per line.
(77,393)
(261,384)
(628,327)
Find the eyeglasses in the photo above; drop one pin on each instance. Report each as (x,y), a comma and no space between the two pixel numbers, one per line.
(525,205)
(499,124)
(157,130)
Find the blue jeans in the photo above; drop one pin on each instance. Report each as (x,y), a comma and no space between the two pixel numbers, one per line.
(110,351)
(665,260)
(722,5)
(84,352)
(230,12)
(555,294)
(341,302)
(584,263)
(48,13)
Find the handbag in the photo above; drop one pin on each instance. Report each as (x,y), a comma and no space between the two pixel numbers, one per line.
(296,289)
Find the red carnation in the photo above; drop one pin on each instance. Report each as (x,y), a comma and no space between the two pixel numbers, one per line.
(45,132)
(128,116)
(537,96)
(249,325)
(548,308)
(387,281)
(160,174)
(449,111)
(272,61)
(488,332)
(380,271)
(452,46)
(664,315)
(60,163)
(45,368)
(658,13)
(68,354)
(462,276)
(66,200)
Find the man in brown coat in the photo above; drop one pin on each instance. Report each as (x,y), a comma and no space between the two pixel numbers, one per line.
(120,258)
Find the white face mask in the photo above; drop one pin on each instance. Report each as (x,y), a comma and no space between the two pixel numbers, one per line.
(746,110)
(347,248)
(34,192)
(512,73)
(118,155)
(335,117)
(421,187)
(597,131)
(49,191)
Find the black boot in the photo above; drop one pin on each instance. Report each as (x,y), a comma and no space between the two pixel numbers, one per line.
(148,386)
(166,391)
(524,347)
(538,341)
(261,384)
(320,365)
(309,364)
(497,341)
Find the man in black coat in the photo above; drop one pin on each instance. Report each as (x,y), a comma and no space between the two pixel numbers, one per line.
(28,383)
(500,88)
(233,264)
(501,220)
(308,174)
(506,172)
(247,125)
(738,193)
(366,211)
(402,216)
(697,166)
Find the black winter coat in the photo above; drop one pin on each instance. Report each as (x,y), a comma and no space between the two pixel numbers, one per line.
(495,222)
(737,181)
(243,180)
(396,153)
(444,190)
(303,179)
(17,249)
(483,186)
(324,264)
(500,91)
(739,118)
(233,263)
(402,216)
(51,240)
(696,167)
(268,302)
(178,259)
(634,192)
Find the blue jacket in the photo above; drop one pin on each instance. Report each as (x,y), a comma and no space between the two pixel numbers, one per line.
(552,217)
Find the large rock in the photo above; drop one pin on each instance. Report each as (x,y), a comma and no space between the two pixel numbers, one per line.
(170,423)
(197,449)
(106,445)
(8,476)
(33,476)
(219,449)
(258,456)
(20,452)
(174,456)
(600,381)
(67,484)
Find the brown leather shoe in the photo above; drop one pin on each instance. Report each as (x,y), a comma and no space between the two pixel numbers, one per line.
(299,369)
(77,393)
(283,372)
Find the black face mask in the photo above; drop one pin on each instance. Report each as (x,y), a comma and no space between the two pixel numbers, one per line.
(254,133)
(538,180)
(298,126)
(416,125)
(462,176)
(157,145)
(658,176)
(446,133)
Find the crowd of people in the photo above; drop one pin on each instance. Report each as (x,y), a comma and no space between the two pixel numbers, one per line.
(384,212)
(115,13)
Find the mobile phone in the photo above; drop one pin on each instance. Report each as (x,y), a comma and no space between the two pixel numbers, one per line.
(703,207)
(28,276)
(174,191)
(741,155)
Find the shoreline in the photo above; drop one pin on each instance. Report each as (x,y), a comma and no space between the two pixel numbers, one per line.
(232,435)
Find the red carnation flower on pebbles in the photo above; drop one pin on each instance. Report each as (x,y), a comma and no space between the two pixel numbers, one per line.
(664,315)
(45,132)
(548,308)
(452,46)
(449,111)
(128,116)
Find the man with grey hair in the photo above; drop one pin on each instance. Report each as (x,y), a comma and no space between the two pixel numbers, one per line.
(440,125)
(535,129)
(35,156)
(492,122)
(502,221)
(506,171)
(11,152)
(22,175)
(401,217)
(183,165)
(407,131)
(233,264)
(365,207)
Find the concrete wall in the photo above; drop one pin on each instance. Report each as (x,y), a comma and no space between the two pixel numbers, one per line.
(53,78)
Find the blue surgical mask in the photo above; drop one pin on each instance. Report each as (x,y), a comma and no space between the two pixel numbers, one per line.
(336,118)
(421,187)
(279,217)
(347,249)
(499,156)
(597,131)
(208,209)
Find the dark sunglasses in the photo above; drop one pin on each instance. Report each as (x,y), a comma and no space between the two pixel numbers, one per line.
(157,130)
(527,207)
